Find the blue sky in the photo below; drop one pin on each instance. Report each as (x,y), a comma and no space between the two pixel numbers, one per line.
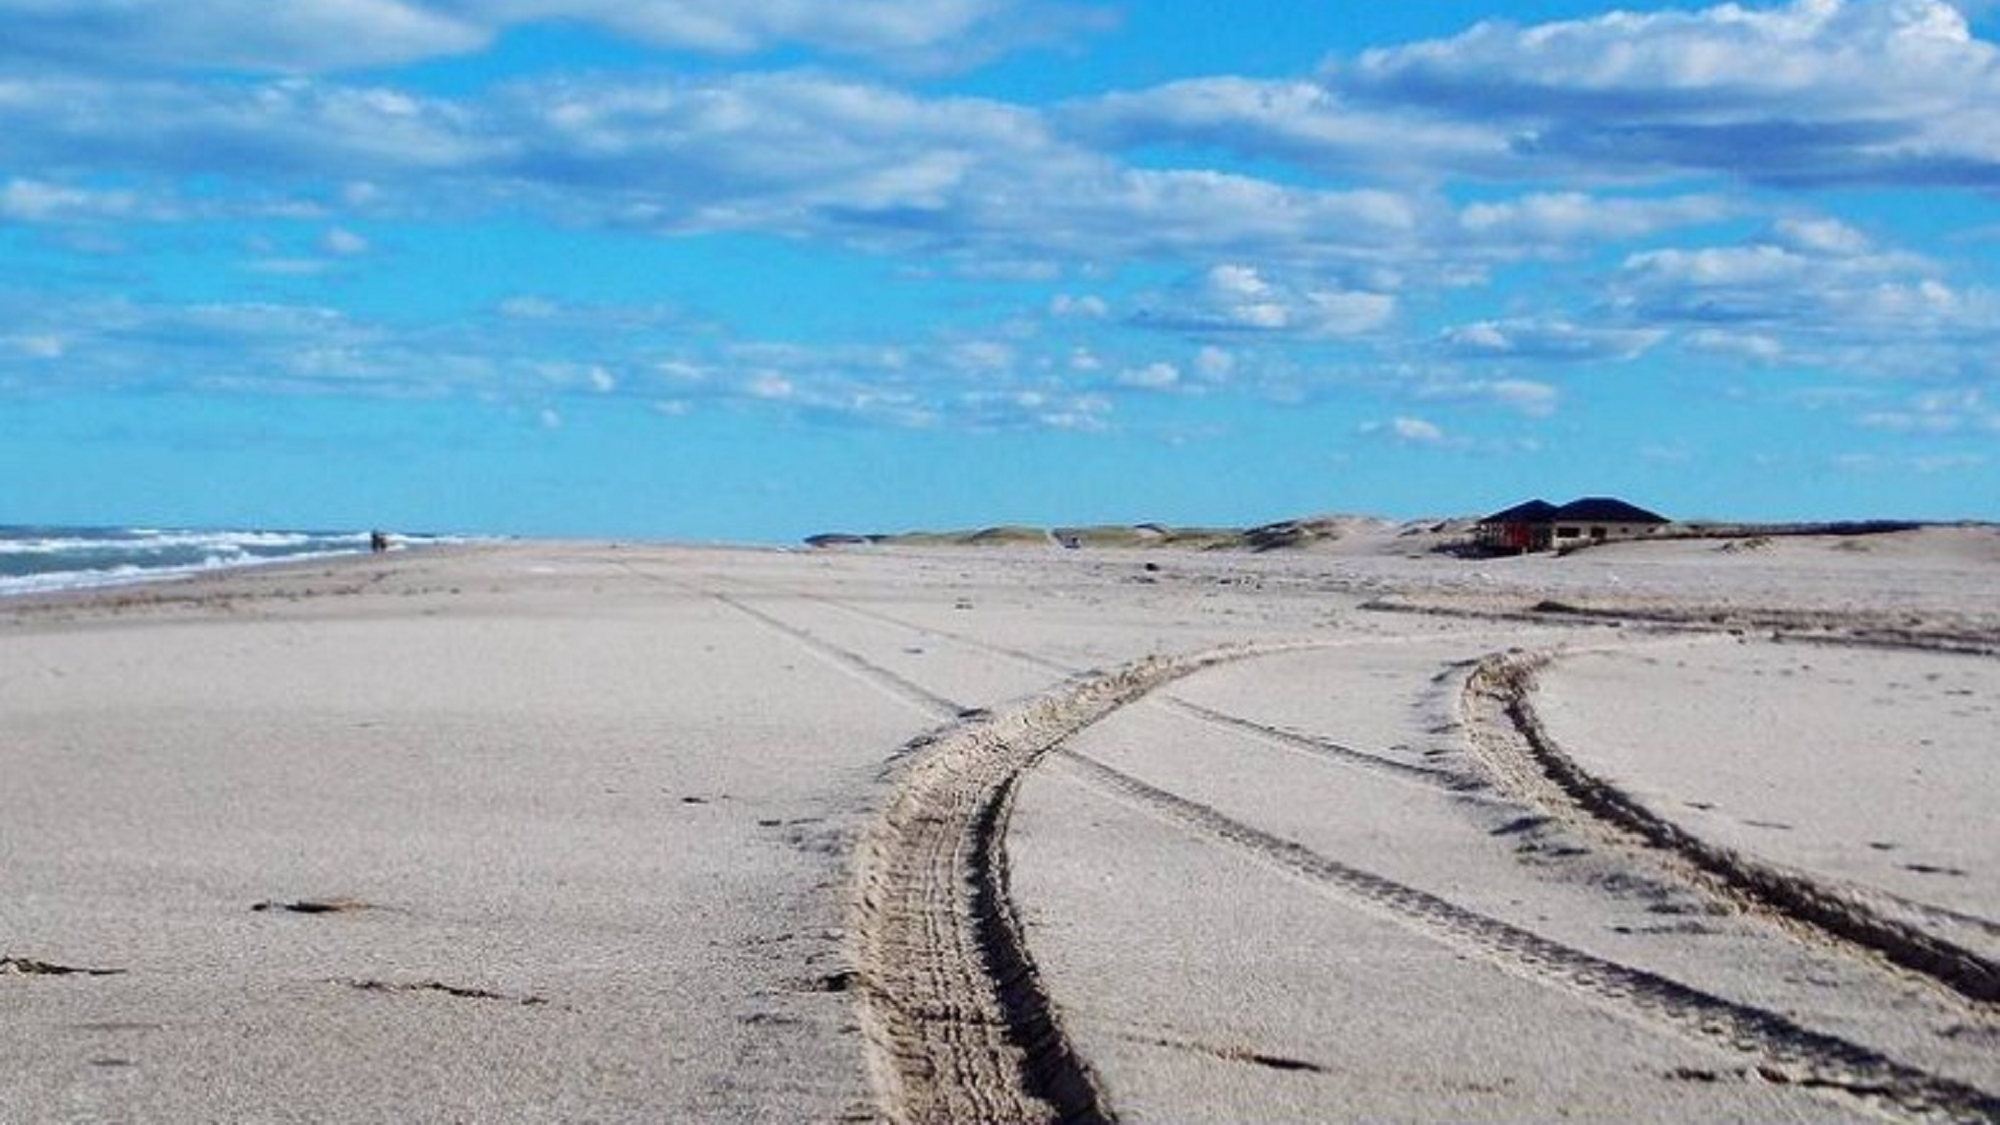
(747,271)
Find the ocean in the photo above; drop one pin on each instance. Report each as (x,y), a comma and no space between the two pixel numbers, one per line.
(35,559)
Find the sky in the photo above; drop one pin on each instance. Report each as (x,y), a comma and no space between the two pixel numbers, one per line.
(756,269)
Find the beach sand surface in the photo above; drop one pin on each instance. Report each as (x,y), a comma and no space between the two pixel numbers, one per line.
(622,832)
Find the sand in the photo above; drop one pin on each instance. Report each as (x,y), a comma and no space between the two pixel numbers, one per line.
(615,832)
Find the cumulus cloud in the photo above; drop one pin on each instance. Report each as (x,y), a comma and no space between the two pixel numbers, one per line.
(1425,168)
(1416,431)
(287,127)
(1527,396)
(39,201)
(1816,91)
(1151,377)
(1819,235)
(343,243)
(1938,414)
(1086,307)
(1550,340)
(1408,430)
(1755,347)
(318,36)
(1565,221)
(1240,298)
(1298,121)
(297,36)
(1768,284)
(800,154)
(1214,364)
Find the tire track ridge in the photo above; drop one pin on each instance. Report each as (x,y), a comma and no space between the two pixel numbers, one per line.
(1789,1052)
(907,690)
(1324,748)
(910,690)
(958,1023)
(1792,627)
(1504,683)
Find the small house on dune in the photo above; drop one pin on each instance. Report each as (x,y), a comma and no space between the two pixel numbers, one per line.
(1538,525)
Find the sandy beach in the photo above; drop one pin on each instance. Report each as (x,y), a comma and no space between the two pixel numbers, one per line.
(1691,830)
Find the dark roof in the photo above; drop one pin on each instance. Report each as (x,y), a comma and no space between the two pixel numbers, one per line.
(1534,511)
(1605,509)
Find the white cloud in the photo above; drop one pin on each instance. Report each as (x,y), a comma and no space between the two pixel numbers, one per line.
(1826,236)
(38,345)
(1530,397)
(1549,340)
(1152,377)
(1241,298)
(529,308)
(1937,414)
(1296,121)
(770,387)
(1087,307)
(1525,395)
(973,185)
(1553,222)
(344,243)
(309,36)
(1408,430)
(1761,286)
(918,34)
(1755,347)
(1813,91)
(981,356)
(253,35)
(1417,431)
(39,201)
(1214,364)
(1948,462)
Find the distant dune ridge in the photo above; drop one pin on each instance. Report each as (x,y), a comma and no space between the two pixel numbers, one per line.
(1362,535)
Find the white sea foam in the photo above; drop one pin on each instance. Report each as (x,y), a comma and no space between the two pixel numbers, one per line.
(41,559)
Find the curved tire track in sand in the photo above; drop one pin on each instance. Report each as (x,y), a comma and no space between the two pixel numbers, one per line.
(1323,748)
(1780,1050)
(959,1026)
(1510,738)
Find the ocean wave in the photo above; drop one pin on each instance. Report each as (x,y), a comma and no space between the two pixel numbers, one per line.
(38,559)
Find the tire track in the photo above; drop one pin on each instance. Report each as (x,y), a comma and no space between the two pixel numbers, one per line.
(959,1026)
(882,679)
(1781,1050)
(1509,736)
(1028,659)
(908,690)
(1325,749)
(1844,629)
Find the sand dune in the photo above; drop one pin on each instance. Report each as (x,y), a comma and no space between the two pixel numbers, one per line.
(936,831)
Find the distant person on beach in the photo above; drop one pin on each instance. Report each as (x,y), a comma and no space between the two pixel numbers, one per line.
(378,541)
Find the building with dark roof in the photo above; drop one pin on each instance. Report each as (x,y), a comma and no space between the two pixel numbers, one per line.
(1519,529)
(1538,525)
